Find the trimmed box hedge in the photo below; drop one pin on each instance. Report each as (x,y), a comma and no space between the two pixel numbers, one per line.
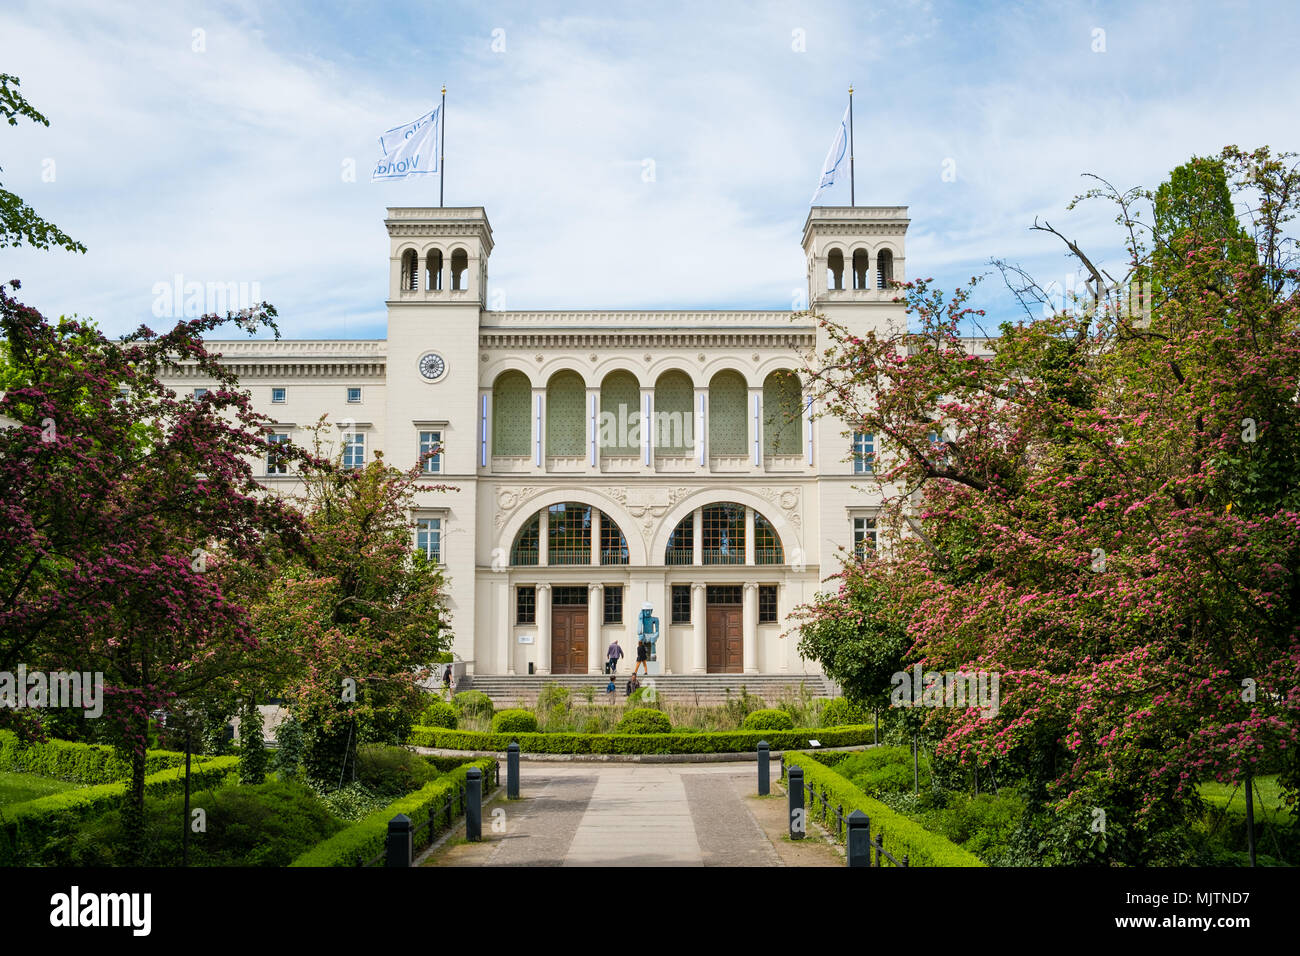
(367,837)
(27,828)
(678,742)
(902,835)
(76,762)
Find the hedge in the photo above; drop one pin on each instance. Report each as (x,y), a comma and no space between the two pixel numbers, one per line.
(367,837)
(902,835)
(768,720)
(75,762)
(679,742)
(26,828)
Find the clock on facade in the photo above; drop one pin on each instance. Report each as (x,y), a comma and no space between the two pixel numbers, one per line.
(432,366)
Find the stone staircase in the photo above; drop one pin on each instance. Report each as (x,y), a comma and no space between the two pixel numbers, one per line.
(705,690)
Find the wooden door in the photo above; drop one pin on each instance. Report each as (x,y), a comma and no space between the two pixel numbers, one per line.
(725,640)
(569,640)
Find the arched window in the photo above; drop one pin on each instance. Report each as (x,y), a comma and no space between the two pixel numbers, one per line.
(724,534)
(512,423)
(613,546)
(459,269)
(674,415)
(524,551)
(681,543)
(568,541)
(433,270)
(835,269)
(728,421)
(884,268)
(782,414)
(566,422)
(410,271)
(860,263)
(767,545)
(620,415)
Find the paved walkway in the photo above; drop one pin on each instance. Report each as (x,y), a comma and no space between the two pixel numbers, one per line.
(636,815)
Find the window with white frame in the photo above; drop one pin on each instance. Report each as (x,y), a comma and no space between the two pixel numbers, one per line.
(200,392)
(354,449)
(864,452)
(431,444)
(354,394)
(277,396)
(275,461)
(864,535)
(428,538)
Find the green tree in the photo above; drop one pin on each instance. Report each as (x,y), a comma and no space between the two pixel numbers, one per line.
(19,222)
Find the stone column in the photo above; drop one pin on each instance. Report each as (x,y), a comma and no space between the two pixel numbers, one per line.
(595,538)
(701,427)
(501,592)
(750,628)
(543,537)
(699,653)
(543,628)
(647,428)
(538,426)
(595,618)
(755,430)
(749,536)
(697,536)
(593,428)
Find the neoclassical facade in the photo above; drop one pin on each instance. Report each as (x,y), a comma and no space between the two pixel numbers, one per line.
(602,460)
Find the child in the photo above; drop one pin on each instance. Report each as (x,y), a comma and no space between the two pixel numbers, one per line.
(610,689)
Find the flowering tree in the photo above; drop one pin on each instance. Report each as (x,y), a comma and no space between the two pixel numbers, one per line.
(124,510)
(1106,512)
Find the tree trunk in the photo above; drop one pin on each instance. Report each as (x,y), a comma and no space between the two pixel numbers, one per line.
(133,806)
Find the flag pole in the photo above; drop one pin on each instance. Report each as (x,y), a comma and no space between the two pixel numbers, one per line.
(442,147)
(852,174)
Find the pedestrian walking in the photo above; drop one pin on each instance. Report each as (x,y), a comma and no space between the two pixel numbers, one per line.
(612,656)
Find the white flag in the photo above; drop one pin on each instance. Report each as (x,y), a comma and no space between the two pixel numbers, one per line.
(834,158)
(409,149)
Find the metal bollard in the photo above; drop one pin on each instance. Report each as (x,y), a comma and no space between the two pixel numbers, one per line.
(764,772)
(398,849)
(858,840)
(798,818)
(512,771)
(474,804)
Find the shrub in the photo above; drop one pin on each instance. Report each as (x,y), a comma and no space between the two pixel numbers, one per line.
(644,697)
(439,713)
(644,721)
(473,703)
(266,824)
(287,759)
(883,770)
(366,838)
(514,720)
(392,771)
(677,742)
(768,720)
(901,835)
(838,712)
(75,762)
(353,802)
(553,698)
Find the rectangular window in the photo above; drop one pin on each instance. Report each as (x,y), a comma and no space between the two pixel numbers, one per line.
(526,605)
(681,604)
(354,394)
(864,536)
(767,604)
(864,451)
(123,392)
(614,604)
(428,538)
(277,396)
(275,463)
(200,392)
(354,450)
(431,443)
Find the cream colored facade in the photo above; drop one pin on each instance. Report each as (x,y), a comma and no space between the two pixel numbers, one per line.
(739,497)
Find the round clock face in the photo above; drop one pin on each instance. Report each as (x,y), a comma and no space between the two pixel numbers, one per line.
(432,366)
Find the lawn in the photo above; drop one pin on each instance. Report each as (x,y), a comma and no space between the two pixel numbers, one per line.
(1268,796)
(21,787)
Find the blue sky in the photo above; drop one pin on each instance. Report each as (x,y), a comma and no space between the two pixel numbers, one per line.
(226,164)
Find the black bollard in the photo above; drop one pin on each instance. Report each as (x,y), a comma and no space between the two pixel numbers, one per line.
(798,821)
(764,773)
(474,804)
(398,851)
(858,840)
(512,771)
